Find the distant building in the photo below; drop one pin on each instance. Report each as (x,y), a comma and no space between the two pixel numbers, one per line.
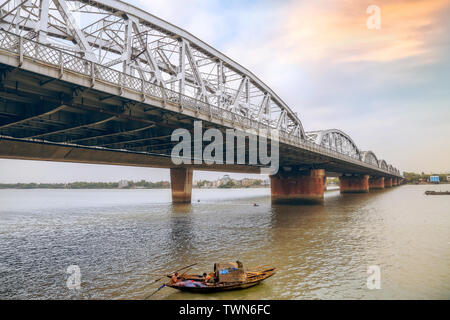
(246,182)
(123,184)
(434,179)
(448,178)
(224,180)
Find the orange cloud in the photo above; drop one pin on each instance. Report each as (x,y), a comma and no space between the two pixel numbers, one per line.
(337,31)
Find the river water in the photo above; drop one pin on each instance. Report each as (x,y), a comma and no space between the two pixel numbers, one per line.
(121,238)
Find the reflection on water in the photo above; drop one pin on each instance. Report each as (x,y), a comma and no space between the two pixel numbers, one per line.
(121,238)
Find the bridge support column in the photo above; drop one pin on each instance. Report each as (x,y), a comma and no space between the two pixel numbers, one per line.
(376,183)
(303,187)
(388,182)
(181,184)
(354,184)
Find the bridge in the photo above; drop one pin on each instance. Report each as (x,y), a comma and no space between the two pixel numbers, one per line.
(101,81)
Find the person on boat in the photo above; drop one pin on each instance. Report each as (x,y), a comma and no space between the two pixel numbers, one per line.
(174,278)
(206,278)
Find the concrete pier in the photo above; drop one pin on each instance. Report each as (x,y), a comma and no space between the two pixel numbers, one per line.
(376,183)
(388,182)
(305,187)
(181,184)
(354,183)
(394,181)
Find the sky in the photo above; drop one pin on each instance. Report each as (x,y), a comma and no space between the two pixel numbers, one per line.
(388,88)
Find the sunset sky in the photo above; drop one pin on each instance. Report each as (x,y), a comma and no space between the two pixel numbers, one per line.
(389,89)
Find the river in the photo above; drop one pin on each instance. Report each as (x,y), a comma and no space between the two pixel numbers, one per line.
(121,238)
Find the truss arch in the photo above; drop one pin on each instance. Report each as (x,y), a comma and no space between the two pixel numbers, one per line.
(391,168)
(335,140)
(123,37)
(382,164)
(369,157)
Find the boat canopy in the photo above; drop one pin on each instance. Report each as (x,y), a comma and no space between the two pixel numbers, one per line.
(230,272)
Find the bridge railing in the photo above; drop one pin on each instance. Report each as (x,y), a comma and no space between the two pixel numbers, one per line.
(11,43)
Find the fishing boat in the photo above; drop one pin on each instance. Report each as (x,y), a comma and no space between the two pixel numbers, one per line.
(434,193)
(226,276)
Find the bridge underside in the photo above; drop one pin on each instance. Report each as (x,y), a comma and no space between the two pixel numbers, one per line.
(49,119)
(43,118)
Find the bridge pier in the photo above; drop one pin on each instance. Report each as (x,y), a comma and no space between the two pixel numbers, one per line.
(354,183)
(388,182)
(395,182)
(376,183)
(302,187)
(181,184)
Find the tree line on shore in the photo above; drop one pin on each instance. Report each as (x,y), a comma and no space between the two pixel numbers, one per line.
(125,184)
(230,184)
(89,185)
(412,177)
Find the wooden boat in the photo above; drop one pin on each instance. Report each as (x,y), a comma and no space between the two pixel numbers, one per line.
(227,278)
(428,193)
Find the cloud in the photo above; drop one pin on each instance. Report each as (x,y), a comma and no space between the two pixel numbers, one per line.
(337,31)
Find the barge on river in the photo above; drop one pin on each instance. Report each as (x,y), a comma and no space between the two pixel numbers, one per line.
(434,193)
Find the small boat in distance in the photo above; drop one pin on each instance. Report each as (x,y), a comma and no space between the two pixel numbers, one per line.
(226,276)
(433,193)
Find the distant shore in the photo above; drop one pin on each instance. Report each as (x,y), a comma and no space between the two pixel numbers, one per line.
(147,185)
(85,185)
(224,183)
(109,185)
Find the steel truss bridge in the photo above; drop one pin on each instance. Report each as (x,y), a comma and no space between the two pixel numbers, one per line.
(101,81)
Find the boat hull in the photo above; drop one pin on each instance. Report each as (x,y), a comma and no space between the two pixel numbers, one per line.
(253,281)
